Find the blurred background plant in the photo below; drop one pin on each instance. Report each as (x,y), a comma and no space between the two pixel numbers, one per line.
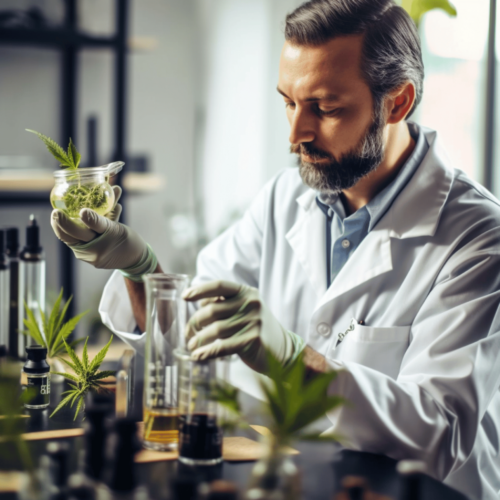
(417,8)
(54,331)
(13,448)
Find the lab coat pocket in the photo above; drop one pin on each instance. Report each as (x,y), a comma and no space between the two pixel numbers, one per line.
(376,347)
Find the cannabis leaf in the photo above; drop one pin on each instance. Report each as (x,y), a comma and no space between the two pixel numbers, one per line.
(293,401)
(54,332)
(417,8)
(70,160)
(86,377)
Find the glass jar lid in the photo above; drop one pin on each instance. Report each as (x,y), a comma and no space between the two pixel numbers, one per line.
(108,170)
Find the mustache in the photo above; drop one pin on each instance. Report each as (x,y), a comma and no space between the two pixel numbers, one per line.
(310,150)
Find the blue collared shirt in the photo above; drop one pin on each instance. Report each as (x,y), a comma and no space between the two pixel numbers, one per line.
(347,233)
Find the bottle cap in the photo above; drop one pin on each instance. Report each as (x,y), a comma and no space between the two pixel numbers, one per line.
(33,236)
(37,360)
(12,241)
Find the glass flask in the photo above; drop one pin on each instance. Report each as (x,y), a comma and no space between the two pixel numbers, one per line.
(200,436)
(84,188)
(165,323)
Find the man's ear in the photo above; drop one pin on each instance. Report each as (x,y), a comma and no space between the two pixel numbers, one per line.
(400,102)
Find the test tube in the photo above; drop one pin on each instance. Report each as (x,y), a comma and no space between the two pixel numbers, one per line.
(200,436)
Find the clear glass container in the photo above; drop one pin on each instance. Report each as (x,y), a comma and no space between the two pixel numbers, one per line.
(200,435)
(84,188)
(165,323)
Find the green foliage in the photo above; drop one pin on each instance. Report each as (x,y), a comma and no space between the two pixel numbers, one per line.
(54,331)
(417,8)
(11,422)
(78,197)
(70,160)
(86,377)
(293,400)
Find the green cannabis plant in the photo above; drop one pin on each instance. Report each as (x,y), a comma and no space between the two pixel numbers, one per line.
(293,401)
(79,195)
(54,330)
(417,8)
(86,376)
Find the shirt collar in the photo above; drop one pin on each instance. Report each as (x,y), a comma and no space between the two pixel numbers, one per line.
(379,205)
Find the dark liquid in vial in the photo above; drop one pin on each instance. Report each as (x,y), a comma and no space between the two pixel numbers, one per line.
(199,437)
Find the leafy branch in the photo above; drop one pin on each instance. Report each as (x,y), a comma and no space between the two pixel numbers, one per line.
(54,332)
(70,159)
(86,377)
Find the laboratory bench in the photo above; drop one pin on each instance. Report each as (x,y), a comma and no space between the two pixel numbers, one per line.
(322,465)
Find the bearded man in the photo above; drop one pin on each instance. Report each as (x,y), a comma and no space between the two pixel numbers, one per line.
(375,257)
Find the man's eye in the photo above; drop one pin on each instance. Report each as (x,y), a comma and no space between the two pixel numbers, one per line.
(289,105)
(327,112)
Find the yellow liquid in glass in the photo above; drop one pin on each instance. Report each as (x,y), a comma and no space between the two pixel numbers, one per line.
(161,425)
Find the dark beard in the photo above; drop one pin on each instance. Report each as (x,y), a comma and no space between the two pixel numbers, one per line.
(332,177)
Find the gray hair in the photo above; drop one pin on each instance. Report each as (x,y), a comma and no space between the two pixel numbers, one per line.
(391,47)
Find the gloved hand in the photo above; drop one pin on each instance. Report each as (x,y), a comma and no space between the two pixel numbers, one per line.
(233,319)
(104,242)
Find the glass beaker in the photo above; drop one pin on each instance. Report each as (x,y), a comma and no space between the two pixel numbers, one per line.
(166,320)
(200,436)
(84,188)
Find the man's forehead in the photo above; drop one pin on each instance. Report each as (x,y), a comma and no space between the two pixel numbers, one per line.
(335,62)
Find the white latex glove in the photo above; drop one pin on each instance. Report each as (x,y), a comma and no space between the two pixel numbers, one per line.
(233,319)
(104,242)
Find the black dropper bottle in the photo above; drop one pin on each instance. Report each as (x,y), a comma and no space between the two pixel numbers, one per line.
(37,370)
(4,294)
(13,254)
(58,455)
(123,483)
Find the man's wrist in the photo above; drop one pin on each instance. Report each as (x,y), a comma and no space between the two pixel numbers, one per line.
(147,265)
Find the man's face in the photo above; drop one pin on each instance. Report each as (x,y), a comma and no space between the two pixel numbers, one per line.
(330,108)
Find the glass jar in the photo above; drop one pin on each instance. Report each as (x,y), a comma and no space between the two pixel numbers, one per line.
(84,188)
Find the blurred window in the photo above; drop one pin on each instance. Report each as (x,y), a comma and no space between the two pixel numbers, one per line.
(454,52)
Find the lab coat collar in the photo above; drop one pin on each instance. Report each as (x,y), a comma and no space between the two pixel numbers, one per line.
(415,212)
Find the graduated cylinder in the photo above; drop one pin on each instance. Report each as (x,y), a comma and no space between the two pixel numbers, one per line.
(166,319)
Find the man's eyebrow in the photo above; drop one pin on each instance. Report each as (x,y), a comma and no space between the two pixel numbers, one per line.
(326,97)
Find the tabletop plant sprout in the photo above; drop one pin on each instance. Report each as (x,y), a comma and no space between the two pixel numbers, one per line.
(86,376)
(293,402)
(53,331)
(76,188)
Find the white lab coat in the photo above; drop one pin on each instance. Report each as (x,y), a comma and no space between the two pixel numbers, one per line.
(423,372)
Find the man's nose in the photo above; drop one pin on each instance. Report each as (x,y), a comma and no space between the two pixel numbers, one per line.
(301,127)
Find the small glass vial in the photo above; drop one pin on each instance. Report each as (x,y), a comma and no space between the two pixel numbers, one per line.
(200,436)
(37,371)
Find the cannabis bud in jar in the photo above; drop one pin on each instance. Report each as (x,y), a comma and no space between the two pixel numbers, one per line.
(79,188)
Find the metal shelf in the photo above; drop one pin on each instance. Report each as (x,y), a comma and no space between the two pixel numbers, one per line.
(55,37)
